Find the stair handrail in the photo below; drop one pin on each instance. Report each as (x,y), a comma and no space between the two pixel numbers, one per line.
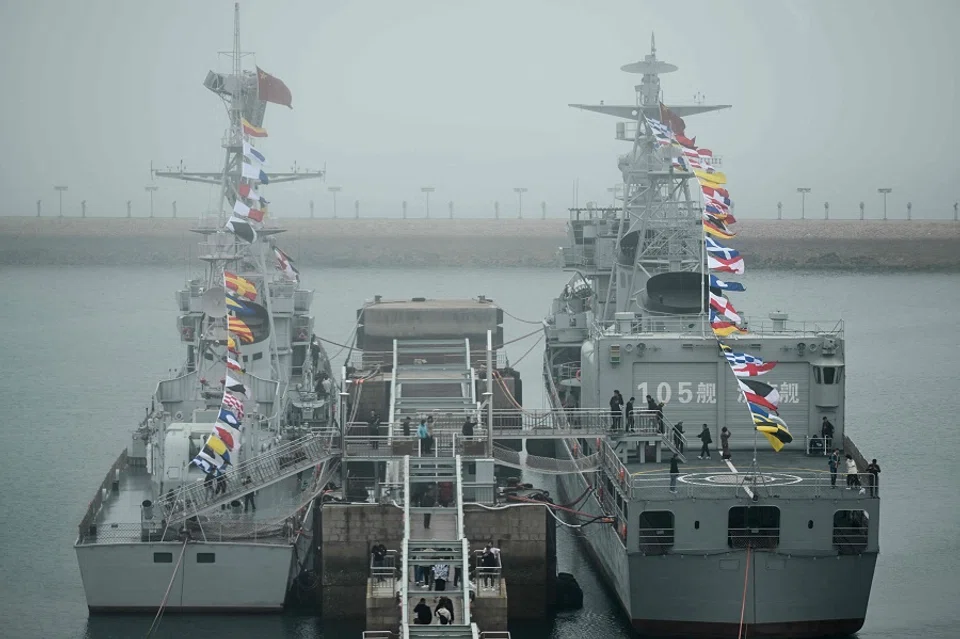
(405,554)
(195,493)
(465,546)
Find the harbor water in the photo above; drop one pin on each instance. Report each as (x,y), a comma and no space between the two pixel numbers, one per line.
(83,349)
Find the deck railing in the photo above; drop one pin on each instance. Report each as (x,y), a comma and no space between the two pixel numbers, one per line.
(87,524)
(753,537)
(770,484)
(264,532)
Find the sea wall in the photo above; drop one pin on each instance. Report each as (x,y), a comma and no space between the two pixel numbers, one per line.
(773,244)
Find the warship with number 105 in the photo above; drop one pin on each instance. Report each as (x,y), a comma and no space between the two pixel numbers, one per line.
(760,544)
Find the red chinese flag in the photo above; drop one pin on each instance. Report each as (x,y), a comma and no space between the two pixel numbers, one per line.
(273,89)
(668,117)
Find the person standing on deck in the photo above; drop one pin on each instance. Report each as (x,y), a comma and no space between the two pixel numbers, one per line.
(834,463)
(373,429)
(428,500)
(674,472)
(468,427)
(616,410)
(629,412)
(678,436)
(826,431)
(874,469)
(423,434)
(724,443)
(406,426)
(440,574)
(706,438)
(248,498)
(853,475)
(423,613)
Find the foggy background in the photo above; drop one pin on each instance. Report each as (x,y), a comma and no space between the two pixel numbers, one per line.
(471,98)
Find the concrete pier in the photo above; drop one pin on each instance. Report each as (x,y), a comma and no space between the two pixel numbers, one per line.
(525,534)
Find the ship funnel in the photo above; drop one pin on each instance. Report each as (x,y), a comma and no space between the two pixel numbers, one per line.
(779,320)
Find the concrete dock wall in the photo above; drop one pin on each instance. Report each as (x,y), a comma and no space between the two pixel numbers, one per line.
(782,244)
(526,536)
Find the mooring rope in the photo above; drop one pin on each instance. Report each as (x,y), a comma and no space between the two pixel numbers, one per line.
(156,620)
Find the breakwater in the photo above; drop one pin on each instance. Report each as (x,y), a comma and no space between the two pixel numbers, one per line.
(770,244)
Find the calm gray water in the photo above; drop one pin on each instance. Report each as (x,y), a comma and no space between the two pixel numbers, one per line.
(82,349)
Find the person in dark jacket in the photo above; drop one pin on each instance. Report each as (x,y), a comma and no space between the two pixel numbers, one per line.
(428,500)
(616,410)
(826,431)
(834,463)
(678,436)
(873,468)
(406,426)
(423,613)
(674,472)
(705,437)
(724,443)
(629,413)
(373,428)
(468,427)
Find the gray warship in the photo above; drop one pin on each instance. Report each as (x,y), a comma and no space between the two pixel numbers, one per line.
(153,536)
(760,544)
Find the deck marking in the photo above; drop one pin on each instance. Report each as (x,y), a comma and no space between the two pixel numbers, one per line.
(734,470)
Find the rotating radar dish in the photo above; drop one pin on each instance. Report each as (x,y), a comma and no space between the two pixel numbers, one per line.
(649,67)
(214,302)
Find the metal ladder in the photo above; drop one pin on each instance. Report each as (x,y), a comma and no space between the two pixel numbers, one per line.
(265,469)
(426,549)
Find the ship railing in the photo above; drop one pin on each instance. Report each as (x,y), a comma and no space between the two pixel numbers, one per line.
(264,469)
(487,579)
(265,532)
(850,540)
(655,541)
(754,537)
(383,574)
(480,493)
(110,481)
(361,360)
(574,422)
(772,484)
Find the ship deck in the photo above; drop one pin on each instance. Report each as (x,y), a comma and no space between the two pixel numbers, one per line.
(119,519)
(787,474)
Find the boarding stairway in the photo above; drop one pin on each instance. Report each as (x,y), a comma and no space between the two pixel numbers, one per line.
(270,467)
(433,535)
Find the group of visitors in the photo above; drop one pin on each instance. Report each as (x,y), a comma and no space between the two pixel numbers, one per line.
(619,410)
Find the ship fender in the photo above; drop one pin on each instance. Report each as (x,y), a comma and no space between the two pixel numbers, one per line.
(569,593)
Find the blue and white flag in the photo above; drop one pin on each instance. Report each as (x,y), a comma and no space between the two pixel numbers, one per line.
(252,154)
(254,173)
(228,418)
(718,249)
(716,282)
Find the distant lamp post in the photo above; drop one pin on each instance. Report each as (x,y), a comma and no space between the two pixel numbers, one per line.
(40,206)
(427,190)
(173,205)
(520,190)
(543,210)
(151,190)
(909,210)
(311,209)
(779,210)
(451,209)
(884,193)
(862,206)
(496,210)
(60,190)
(956,207)
(129,209)
(403,207)
(334,190)
(83,209)
(356,209)
(826,210)
(803,190)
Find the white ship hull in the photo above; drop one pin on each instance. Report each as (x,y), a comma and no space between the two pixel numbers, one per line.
(245,576)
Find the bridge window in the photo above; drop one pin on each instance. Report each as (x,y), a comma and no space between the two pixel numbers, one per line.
(850,529)
(828,375)
(656,532)
(163,557)
(754,526)
(206,558)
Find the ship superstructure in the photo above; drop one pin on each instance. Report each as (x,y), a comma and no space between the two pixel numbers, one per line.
(761,543)
(215,472)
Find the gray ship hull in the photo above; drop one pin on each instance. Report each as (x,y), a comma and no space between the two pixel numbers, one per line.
(126,578)
(690,595)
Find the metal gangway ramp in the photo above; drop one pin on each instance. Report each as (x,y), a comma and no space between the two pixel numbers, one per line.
(267,468)
(433,535)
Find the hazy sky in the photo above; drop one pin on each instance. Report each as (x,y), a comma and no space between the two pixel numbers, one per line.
(471,97)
